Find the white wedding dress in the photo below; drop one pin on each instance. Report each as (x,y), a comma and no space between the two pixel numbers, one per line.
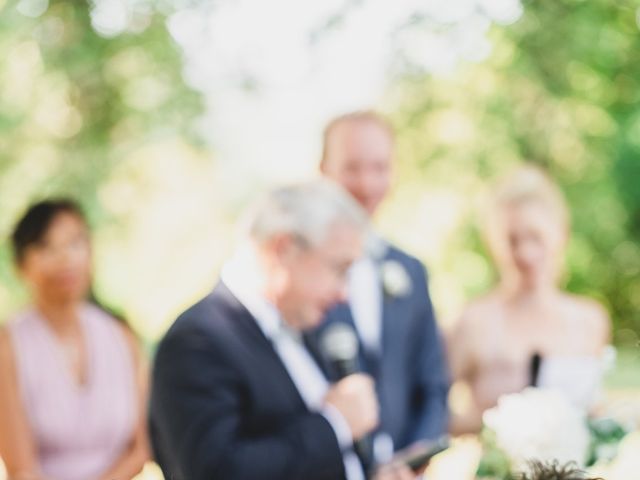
(579,377)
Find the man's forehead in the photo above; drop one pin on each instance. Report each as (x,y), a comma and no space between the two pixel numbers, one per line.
(356,126)
(355,141)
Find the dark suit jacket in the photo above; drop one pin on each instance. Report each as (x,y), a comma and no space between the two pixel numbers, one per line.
(411,376)
(224,407)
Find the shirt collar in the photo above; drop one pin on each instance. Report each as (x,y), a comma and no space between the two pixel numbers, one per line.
(244,278)
(375,246)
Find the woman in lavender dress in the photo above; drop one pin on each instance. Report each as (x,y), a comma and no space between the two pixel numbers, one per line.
(72,387)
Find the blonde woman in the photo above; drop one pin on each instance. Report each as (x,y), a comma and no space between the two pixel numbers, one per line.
(527,330)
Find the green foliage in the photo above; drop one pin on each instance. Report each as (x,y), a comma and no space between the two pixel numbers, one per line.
(81,99)
(561,88)
(494,464)
(606,435)
(74,104)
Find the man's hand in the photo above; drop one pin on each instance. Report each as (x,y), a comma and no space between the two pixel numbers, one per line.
(355,398)
(394,471)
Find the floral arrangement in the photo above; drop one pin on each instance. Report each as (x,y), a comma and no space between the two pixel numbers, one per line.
(541,425)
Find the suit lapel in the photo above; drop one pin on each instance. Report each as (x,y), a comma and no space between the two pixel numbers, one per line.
(394,326)
(258,345)
(393,315)
(312,342)
(342,313)
(391,312)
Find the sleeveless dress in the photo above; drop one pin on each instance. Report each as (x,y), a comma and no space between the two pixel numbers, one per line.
(79,430)
(579,377)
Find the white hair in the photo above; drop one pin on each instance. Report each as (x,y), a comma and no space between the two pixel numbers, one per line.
(306,210)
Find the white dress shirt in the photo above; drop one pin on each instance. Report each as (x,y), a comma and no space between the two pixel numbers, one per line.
(242,276)
(365,301)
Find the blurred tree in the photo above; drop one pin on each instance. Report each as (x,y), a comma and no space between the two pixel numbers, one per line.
(92,101)
(81,86)
(561,88)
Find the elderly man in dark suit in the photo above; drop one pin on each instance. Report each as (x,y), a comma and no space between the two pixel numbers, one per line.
(388,302)
(235,393)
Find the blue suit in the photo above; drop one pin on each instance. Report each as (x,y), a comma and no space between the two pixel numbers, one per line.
(411,375)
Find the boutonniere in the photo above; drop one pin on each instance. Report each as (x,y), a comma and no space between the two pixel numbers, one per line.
(395,279)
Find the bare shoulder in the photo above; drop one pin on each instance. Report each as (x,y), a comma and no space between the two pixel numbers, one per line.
(591,315)
(479,317)
(7,360)
(588,309)
(481,312)
(465,342)
(6,353)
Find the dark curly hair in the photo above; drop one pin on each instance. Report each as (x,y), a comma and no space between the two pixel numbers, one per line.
(553,471)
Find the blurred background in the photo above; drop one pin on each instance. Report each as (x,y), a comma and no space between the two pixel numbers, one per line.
(165,118)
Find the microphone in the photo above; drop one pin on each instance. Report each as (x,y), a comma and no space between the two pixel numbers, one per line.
(534,369)
(339,345)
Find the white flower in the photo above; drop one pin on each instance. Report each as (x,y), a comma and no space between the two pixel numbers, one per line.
(539,424)
(395,279)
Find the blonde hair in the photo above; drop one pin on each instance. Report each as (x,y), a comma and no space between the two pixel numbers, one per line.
(358,116)
(526,184)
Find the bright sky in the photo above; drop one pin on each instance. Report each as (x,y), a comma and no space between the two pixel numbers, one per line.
(275,72)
